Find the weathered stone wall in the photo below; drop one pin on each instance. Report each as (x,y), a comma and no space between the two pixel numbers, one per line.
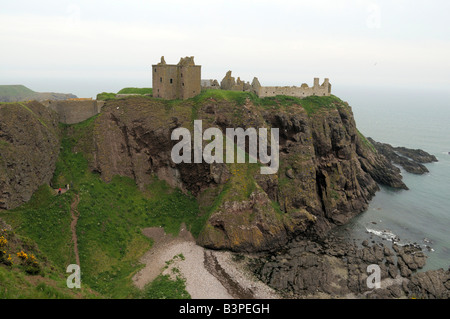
(210,84)
(189,81)
(303,91)
(180,81)
(229,83)
(74,111)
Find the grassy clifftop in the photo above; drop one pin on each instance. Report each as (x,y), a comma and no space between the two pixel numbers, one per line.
(105,96)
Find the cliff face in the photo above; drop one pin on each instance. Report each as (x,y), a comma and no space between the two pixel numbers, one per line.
(328,171)
(29,148)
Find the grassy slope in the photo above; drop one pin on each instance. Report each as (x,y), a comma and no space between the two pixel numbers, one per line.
(136,91)
(105,96)
(17,91)
(109,227)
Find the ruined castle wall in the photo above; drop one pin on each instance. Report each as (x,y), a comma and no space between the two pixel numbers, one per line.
(71,112)
(165,81)
(189,81)
(297,91)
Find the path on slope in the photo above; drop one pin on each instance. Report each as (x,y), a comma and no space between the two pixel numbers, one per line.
(73,226)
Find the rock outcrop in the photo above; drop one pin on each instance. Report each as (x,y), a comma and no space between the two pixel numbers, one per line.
(29,148)
(334,268)
(327,172)
(411,160)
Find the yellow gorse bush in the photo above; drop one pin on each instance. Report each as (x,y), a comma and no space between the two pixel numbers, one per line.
(3,241)
(22,255)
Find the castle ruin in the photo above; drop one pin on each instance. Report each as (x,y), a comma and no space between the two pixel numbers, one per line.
(304,90)
(176,81)
(229,83)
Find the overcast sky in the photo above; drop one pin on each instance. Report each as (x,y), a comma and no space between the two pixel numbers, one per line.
(86,47)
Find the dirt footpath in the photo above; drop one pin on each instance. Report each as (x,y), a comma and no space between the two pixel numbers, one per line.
(209,274)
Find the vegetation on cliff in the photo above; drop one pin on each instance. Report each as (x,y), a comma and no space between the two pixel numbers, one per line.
(119,168)
(105,96)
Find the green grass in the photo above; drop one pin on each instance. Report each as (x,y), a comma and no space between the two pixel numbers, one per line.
(46,220)
(136,91)
(105,96)
(238,97)
(311,104)
(165,288)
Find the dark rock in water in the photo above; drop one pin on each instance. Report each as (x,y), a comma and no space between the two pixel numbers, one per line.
(336,268)
(411,160)
(416,155)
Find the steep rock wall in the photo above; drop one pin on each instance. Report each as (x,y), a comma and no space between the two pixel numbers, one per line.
(29,148)
(328,172)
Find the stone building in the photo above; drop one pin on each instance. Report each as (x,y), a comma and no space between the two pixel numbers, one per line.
(176,81)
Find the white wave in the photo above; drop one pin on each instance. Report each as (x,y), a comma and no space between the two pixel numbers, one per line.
(386,234)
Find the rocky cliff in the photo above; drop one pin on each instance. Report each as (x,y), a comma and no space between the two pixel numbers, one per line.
(29,147)
(328,171)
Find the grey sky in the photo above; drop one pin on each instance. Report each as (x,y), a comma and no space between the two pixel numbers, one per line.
(86,47)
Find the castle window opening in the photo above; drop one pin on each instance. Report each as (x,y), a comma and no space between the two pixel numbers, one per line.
(171,81)
(160,80)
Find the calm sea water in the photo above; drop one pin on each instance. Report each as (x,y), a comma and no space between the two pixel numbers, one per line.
(414,119)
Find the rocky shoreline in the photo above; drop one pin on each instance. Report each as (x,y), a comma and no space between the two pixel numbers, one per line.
(411,160)
(335,268)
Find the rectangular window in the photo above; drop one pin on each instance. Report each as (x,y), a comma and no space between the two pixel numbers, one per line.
(155,69)
(160,80)
(171,81)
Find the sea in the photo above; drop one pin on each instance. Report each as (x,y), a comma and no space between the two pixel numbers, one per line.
(412,118)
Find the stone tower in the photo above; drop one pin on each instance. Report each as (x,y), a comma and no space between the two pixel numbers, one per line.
(176,81)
